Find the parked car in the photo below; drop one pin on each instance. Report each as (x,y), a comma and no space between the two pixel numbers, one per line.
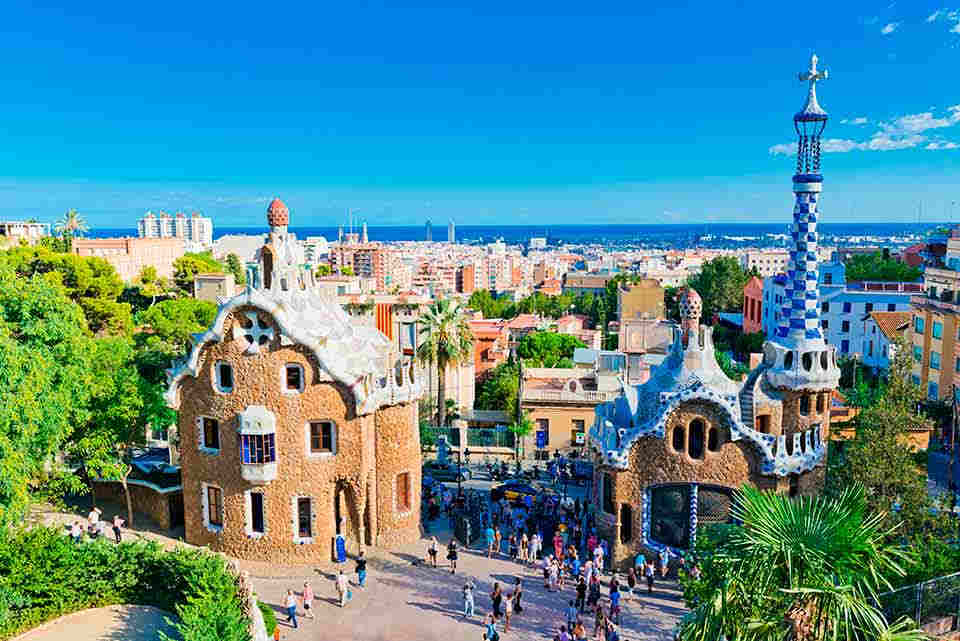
(516,489)
(446,471)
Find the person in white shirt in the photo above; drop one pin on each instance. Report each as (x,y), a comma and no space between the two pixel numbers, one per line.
(342,588)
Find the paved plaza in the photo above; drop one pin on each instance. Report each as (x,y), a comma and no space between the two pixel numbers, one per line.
(113,623)
(407,601)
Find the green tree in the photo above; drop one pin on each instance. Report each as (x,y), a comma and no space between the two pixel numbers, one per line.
(671,303)
(151,284)
(796,569)
(445,339)
(720,284)
(91,282)
(521,428)
(71,225)
(878,457)
(347,270)
(45,382)
(547,349)
(324,269)
(191,264)
(167,328)
(879,266)
(235,267)
(500,389)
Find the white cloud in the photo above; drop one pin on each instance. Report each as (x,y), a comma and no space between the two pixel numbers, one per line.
(785,149)
(890,28)
(943,144)
(854,121)
(933,16)
(955,28)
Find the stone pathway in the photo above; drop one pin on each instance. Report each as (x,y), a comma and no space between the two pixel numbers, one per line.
(407,601)
(113,623)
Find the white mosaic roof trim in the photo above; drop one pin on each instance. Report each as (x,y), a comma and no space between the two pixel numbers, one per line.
(351,354)
(643,411)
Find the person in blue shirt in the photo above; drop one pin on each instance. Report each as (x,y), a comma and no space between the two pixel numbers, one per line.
(491,540)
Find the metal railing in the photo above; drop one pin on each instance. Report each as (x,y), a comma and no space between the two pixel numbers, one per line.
(934,600)
(489,437)
(452,434)
(582,396)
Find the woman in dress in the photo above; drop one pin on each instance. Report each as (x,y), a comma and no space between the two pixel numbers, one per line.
(524,547)
(452,555)
(517,594)
(507,612)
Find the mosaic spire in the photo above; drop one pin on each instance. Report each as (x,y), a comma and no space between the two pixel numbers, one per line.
(799,355)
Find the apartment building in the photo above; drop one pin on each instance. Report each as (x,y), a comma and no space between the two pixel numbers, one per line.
(881,332)
(935,330)
(844,306)
(753,306)
(130,255)
(765,263)
(16,230)
(195,231)
(641,300)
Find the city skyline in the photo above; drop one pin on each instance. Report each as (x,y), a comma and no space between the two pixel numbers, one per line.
(419,119)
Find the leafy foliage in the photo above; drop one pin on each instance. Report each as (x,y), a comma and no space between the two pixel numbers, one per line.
(800,569)
(445,339)
(43,575)
(720,284)
(269,617)
(90,282)
(191,264)
(878,457)
(323,269)
(548,349)
(235,267)
(499,390)
(880,266)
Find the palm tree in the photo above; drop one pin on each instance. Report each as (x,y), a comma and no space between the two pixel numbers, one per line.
(72,224)
(805,569)
(445,339)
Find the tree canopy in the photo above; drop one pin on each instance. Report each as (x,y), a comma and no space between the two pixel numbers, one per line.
(880,266)
(499,389)
(548,349)
(720,284)
(191,264)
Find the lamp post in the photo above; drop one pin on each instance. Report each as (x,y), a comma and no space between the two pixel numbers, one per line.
(466,453)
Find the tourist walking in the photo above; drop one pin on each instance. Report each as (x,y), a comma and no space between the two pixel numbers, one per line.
(648,573)
(307,600)
(117,524)
(579,631)
(468,589)
(631,582)
(491,633)
(93,518)
(507,612)
(361,569)
(343,588)
(517,594)
(290,603)
(76,532)
(491,540)
(599,622)
(432,549)
(524,547)
(598,557)
(581,593)
(664,562)
(452,555)
(498,539)
(497,598)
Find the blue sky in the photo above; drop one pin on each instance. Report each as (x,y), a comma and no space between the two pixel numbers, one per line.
(500,112)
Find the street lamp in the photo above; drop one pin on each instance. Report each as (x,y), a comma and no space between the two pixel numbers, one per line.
(466,453)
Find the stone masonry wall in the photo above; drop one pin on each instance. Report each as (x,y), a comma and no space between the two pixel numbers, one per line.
(346,475)
(143,499)
(653,461)
(397,451)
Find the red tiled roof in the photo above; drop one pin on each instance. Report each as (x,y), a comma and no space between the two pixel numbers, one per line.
(891,324)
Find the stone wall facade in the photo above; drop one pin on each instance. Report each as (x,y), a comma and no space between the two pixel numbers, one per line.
(343,487)
(150,502)
(668,461)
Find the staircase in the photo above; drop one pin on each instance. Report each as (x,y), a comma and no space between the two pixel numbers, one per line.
(746,398)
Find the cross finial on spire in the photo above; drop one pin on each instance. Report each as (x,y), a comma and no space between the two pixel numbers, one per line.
(813,76)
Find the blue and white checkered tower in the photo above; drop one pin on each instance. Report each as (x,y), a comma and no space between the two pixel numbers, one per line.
(799,357)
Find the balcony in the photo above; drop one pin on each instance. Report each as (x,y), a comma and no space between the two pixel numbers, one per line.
(935,301)
(566,396)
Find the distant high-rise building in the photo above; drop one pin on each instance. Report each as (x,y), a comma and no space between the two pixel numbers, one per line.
(195,230)
(429,232)
(538,242)
(451,232)
(363,237)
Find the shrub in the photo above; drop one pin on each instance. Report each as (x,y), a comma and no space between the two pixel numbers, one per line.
(269,617)
(44,575)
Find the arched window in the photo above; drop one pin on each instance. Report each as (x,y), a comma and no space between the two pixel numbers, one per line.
(789,442)
(678,438)
(695,449)
(713,439)
(626,523)
(788,360)
(670,515)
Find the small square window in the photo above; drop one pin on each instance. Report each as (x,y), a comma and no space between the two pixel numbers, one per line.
(868,307)
(211,433)
(293,378)
(935,360)
(891,307)
(322,437)
(224,373)
(847,307)
(845,327)
(936,330)
(825,307)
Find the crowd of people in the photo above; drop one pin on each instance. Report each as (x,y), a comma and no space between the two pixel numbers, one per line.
(95,527)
